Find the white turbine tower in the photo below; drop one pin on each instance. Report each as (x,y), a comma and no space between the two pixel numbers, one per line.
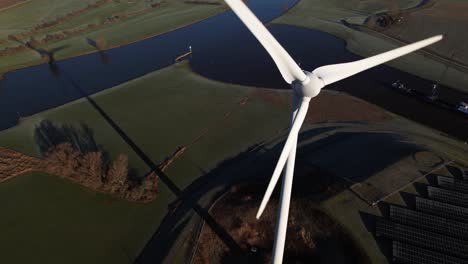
(305,85)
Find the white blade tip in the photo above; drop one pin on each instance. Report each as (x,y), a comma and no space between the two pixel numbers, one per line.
(436,38)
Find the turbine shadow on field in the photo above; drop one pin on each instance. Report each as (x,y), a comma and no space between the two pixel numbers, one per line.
(202,212)
(359,154)
(255,165)
(49,54)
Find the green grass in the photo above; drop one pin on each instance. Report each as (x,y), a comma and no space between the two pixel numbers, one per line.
(50,220)
(167,17)
(326,16)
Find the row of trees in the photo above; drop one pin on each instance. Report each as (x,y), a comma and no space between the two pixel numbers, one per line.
(72,152)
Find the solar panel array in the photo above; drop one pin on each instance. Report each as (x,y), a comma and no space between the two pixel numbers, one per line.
(410,254)
(422,238)
(448,196)
(452,184)
(454,212)
(428,222)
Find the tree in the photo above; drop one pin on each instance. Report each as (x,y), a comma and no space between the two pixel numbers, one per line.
(117,173)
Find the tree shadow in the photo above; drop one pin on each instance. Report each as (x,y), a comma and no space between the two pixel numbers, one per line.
(48,135)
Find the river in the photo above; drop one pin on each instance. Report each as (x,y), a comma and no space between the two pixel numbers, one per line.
(224,50)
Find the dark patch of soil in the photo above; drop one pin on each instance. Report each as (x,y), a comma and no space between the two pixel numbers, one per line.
(313,237)
(346,108)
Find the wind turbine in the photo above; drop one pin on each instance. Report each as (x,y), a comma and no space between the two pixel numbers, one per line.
(305,85)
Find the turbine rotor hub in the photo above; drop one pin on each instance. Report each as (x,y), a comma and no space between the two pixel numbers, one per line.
(310,87)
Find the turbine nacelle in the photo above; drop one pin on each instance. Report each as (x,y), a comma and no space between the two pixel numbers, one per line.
(309,87)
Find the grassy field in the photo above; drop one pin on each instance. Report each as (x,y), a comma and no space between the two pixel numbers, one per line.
(83,227)
(168,16)
(327,15)
(160,112)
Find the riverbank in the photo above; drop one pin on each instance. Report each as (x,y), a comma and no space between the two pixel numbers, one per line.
(164,18)
(329,17)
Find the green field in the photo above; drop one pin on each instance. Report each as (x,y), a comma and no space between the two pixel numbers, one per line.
(169,16)
(327,15)
(50,220)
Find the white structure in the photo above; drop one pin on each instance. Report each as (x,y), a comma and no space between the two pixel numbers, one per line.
(305,85)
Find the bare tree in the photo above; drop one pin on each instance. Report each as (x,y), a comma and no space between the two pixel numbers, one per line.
(117,173)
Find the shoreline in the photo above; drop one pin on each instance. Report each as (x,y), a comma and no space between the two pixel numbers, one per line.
(5,71)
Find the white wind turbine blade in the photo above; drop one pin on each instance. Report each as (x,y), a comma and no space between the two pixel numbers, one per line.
(286,65)
(333,73)
(290,143)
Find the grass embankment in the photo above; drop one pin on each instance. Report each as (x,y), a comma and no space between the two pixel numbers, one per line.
(327,15)
(115,23)
(54,220)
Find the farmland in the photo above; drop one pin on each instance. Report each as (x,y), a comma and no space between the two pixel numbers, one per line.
(52,29)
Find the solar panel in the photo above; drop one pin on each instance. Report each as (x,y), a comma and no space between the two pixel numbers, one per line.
(406,253)
(452,184)
(428,222)
(448,196)
(442,209)
(421,238)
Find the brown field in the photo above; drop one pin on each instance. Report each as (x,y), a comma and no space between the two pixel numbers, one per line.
(312,237)
(443,17)
(345,108)
(8,3)
(320,111)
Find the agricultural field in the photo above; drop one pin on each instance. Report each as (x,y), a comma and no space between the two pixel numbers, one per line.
(438,64)
(61,29)
(185,110)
